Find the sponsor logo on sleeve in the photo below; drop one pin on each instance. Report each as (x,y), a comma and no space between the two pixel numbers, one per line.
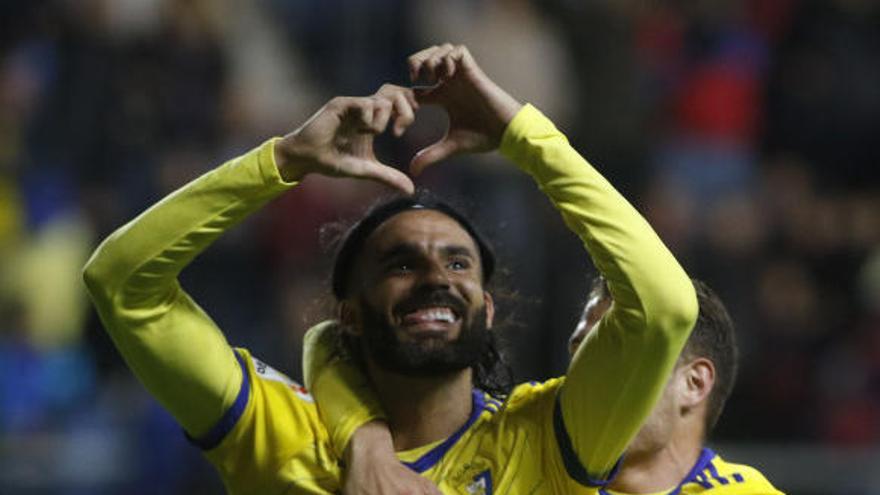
(266,372)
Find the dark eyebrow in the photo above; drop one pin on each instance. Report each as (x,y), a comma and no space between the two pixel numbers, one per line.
(397,251)
(457,250)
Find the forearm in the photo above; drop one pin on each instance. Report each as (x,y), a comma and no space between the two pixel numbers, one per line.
(345,397)
(170,344)
(644,278)
(620,370)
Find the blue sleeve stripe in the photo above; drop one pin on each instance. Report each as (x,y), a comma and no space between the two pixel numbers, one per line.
(572,463)
(226,423)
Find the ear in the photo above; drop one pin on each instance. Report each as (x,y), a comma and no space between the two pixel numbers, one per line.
(349,317)
(490,309)
(698,381)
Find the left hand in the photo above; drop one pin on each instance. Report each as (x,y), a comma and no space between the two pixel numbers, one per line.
(479,110)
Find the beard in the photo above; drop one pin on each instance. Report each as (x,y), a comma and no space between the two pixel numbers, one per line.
(425,357)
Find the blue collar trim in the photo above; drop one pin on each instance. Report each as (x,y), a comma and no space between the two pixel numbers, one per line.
(704,461)
(432,457)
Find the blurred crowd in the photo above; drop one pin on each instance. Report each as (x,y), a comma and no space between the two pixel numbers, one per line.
(741,129)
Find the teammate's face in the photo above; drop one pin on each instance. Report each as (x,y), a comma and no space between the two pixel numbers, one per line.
(658,427)
(419,302)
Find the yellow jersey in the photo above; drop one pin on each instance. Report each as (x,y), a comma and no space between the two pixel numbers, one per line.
(263,432)
(712,475)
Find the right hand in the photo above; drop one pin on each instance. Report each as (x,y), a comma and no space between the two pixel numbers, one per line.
(337,141)
(373,467)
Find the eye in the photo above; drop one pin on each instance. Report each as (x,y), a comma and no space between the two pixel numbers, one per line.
(401,267)
(459,264)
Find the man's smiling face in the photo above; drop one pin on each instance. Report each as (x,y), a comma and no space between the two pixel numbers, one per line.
(418,298)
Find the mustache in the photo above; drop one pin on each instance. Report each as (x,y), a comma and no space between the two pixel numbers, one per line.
(433,298)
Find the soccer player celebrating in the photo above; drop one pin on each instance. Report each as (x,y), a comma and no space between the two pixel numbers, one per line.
(411,282)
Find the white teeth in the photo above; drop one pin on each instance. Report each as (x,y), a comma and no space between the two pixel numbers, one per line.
(441,315)
(434,314)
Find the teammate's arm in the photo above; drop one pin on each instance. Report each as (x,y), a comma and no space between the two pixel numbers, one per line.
(168,341)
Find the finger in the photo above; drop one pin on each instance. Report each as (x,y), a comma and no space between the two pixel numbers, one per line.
(429,71)
(404,105)
(449,65)
(416,60)
(391,91)
(378,172)
(432,154)
(410,96)
(404,114)
(360,110)
(382,108)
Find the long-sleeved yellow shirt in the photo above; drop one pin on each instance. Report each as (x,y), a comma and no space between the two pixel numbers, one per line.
(263,432)
(619,371)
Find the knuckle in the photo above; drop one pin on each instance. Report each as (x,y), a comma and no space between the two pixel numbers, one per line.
(336,103)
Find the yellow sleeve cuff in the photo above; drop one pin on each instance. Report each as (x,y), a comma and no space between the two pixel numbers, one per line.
(527,125)
(268,167)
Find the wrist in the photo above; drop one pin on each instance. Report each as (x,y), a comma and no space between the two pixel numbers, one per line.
(291,161)
(372,439)
(508,108)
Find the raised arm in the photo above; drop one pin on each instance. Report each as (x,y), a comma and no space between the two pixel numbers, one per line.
(617,376)
(168,341)
(619,372)
(172,346)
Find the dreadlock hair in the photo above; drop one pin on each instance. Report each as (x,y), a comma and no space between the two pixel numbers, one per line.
(492,373)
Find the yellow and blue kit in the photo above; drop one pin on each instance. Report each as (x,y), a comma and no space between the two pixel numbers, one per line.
(263,432)
(712,475)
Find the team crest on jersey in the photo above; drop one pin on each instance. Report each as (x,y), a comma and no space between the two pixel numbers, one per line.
(267,372)
(473,477)
(481,484)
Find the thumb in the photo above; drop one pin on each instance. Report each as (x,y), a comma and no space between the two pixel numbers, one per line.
(434,153)
(378,172)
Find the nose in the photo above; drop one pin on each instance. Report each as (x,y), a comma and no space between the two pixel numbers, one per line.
(434,275)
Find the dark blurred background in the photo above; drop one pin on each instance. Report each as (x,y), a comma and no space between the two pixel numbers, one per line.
(746,131)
